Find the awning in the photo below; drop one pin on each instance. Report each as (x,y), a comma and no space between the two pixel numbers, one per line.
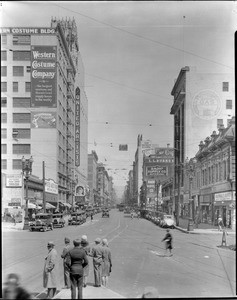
(31,206)
(67,204)
(48,205)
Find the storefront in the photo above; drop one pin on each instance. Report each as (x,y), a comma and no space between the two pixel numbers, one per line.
(206,208)
(224,206)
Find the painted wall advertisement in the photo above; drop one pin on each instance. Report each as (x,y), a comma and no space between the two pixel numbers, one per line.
(43,119)
(43,76)
(77,127)
(13,180)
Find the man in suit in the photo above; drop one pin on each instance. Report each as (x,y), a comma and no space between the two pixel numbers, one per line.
(97,253)
(66,249)
(76,261)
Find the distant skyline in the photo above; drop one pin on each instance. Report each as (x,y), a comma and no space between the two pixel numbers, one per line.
(132,54)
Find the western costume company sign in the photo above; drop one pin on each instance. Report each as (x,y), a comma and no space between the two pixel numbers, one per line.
(77,127)
(43,76)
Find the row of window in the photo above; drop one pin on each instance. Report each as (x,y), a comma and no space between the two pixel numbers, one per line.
(16,39)
(15,87)
(17,118)
(17,102)
(16,70)
(16,164)
(21,133)
(16,148)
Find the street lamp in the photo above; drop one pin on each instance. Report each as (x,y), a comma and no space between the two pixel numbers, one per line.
(26,170)
(190,173)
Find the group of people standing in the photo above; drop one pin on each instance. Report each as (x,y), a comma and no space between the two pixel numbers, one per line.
(76,265)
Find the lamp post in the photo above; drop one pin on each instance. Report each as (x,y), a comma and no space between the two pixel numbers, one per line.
(190,173)
(26,170)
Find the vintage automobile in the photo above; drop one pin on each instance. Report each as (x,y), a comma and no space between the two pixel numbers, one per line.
(105,213)
(82,216)
(58,220)
(74,219)
(43,222)
(167,221)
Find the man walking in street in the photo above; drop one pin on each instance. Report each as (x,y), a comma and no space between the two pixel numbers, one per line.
(97,253)
(168,242)
(66,249)
(50,272)
(76,261)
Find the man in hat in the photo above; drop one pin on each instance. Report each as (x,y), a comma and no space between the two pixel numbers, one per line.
(97,253)
(50,272)
(64,254)
(76,261)
(13,290)
(85,245)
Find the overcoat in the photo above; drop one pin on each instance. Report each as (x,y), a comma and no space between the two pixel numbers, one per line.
(107,262)
(50,272)
(85,246)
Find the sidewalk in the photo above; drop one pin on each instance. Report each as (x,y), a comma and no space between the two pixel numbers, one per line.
(90,292)
(203,228)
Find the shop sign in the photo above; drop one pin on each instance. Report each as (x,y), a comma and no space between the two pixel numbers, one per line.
(51,186)
(77,127)
(13,180)
(156,170)
(43,76)
(27,30)
(223,196)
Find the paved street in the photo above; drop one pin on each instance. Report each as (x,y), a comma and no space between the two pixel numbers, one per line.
(198,268)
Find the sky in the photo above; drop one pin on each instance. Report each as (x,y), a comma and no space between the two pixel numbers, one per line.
(132,53)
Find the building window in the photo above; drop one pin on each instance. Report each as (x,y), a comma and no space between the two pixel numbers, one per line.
(15,86)
(18,71)
(225,86)
(3,133)
(21,55)
(4,55)
(3,71)
(4,38)
(217,173)
(16,164)
(228,104)
(21,148)
(4,148)
(21,40)
(21,118)
(27,86)
(3,101)
(21,102)
(22,133)
(3,118)
(4,87)
(220,172)
(28,69)
(4,164)
(224,170)
(219,122)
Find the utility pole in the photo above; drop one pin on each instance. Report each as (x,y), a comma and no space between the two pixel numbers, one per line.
(44,203)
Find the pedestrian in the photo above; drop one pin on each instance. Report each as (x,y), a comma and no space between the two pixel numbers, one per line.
(33,216)
(91,217)
(220,223)
(76,261)
(50,272)
(168,242)
(14,219)
(97,253)
(66,249)
(85,245)
(13,290)
(107,263)
(224,234)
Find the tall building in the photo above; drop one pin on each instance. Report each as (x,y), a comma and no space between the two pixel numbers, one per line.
(202,103)
(103,185)
(92,177)
(44,105)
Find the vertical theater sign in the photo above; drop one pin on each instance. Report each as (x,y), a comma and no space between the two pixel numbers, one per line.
(77,127)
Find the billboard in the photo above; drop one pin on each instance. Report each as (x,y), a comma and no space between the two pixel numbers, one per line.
(13,180)
(43,119)
(156,170)
(77,127)
(43,76)
(51,186)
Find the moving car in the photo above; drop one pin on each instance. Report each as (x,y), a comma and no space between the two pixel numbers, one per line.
(105,213)
(43,222)
(58,220)
(167,221)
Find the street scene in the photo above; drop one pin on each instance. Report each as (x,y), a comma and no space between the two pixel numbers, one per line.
(118,176)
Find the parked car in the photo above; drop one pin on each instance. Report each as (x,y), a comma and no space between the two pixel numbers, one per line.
(105,213)
(167,221)
(58,220)
(43,222)
(74,219)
